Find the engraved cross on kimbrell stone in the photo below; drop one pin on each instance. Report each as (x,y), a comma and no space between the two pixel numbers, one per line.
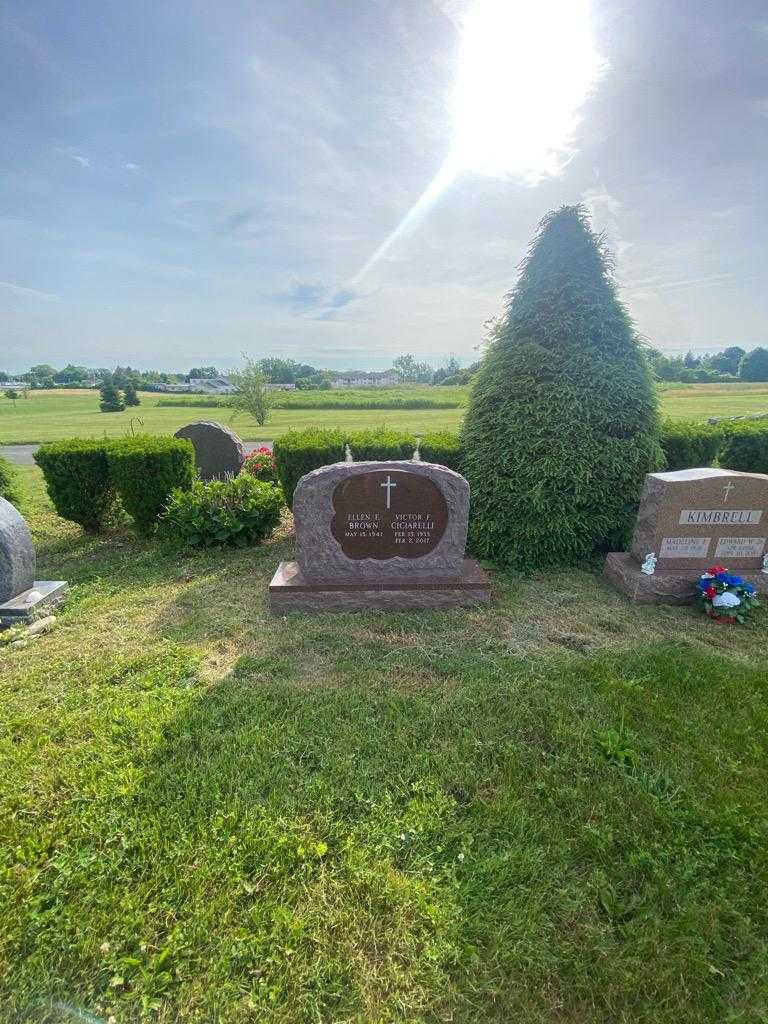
(389,485)
(727,491)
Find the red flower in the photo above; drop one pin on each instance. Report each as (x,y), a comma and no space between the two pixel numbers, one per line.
(715,569)
(710,592)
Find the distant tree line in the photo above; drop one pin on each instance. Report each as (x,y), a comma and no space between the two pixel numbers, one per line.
(732,363)
(275,371)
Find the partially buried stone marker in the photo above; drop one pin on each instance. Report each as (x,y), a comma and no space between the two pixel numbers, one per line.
(21,597)
(379,535)
(219,452)
(691,519)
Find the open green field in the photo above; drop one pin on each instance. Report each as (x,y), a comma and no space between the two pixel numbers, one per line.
(700,401)
(552,810)
(52,415)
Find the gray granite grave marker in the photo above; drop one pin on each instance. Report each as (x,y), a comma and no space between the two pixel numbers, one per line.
(21,596)
(219,452)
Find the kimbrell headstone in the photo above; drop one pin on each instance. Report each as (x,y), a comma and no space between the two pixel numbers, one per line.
(21,596)
(691,519)
(379,535)
(219,452)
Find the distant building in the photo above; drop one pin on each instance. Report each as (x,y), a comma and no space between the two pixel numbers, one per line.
(212,385)
(362,379)
(14,385)
(279,387)
(173,388)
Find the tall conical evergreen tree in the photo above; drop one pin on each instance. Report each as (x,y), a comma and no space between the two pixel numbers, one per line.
(563,423)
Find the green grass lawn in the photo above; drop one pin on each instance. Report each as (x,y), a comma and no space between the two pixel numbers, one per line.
(700,401)
(552,810)
(51,415)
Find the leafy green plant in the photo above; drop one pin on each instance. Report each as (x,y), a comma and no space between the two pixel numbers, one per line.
(77,477)
(261,465)
(616,746)
(145,470)
(241,512)
(562,425)
(688,444)
(300,451)
(745,448)
(9,482)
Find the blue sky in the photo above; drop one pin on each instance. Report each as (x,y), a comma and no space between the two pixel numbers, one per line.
(186,181)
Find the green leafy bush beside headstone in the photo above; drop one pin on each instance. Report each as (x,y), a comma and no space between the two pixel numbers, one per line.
(300,451)
(9,482)
(745,448)
(688,444)
(240,512)
(562,425)
(77,477)
(145,470)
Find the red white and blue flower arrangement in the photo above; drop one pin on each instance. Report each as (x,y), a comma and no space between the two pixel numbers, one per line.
(726,598)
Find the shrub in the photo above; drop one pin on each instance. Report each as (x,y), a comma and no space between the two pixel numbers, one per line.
(78,480)
(443,448)
(745,447)
(9,482)
(241,511)
(261,465)
(131,395)
(754,365)
(145,470)
(562,424)
(300,451)
(688,444)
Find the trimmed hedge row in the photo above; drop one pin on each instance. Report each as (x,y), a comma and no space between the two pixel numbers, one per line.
(745,447)
(9,482)
(79,485)
(300,451)
(732,445)
(85,478)
(145,470)
(686,444)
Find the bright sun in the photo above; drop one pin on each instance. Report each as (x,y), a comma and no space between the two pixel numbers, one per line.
(525,69)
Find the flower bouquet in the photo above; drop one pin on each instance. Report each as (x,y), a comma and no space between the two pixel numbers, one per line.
(726,598)
(261,464)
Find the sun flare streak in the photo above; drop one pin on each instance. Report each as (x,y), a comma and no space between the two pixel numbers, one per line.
(526,67)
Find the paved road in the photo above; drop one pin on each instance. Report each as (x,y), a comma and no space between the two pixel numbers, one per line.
(22,454)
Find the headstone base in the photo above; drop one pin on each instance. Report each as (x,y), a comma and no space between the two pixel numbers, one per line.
(665,586)
(17,612)
(290,592)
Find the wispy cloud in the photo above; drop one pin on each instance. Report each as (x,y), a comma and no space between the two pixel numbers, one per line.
(28,293)
(301,296)
(74,154)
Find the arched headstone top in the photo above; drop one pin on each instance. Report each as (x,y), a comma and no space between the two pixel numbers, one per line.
(219,452)
(17,553)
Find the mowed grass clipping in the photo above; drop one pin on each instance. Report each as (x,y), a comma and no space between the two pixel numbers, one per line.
(53,415)
(550,810)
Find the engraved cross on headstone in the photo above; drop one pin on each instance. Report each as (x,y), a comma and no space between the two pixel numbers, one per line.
(389,485)
(727,491)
